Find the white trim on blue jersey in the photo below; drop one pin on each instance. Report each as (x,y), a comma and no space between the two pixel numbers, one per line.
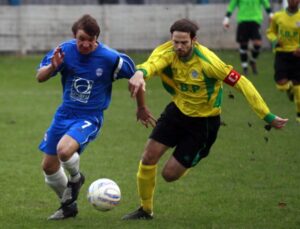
(118,68)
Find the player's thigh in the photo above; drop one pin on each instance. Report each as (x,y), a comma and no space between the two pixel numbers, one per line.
(82,131)
(294,74)
(284,67)
(153,152)
(66,147)
(164,135)
(255,33)
(242,33)
(196,143)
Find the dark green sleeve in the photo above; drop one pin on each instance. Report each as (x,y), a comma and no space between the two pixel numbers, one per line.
(267,6)
(231,7)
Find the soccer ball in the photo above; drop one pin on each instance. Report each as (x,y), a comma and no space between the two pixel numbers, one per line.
(104,194)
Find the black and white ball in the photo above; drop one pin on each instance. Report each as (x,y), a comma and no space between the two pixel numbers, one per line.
(104,194)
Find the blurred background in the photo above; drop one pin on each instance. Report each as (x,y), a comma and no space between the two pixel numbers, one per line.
(33,26)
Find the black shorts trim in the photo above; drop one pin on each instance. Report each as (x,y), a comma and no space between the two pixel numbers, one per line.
(192,137)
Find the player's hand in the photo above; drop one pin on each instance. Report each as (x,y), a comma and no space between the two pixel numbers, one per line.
(136,82)
(226,22)
(145,117)
(278,122)
(57,58)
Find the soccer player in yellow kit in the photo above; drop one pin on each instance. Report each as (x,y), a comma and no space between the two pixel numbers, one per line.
(284,33)
(194,76)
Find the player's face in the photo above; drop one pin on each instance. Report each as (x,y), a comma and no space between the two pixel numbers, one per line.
(85,43)
(182,43)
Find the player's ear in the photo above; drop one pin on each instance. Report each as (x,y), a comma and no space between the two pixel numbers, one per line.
(194,39)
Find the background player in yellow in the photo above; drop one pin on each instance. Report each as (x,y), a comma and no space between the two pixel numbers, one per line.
(194,76)
(249,19)
(284,33)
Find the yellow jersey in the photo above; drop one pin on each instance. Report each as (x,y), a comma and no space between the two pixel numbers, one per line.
(196,85)
(285,28)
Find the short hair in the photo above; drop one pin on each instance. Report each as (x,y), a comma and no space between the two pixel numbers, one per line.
(185,25)
(88,24)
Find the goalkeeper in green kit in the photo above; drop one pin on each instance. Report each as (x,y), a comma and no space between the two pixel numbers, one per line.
(249,19)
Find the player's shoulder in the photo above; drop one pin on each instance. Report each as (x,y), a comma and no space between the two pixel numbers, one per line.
(279,13)
(201,47)
(68,44)
(112,55)
(204,53)
(166,47)
(106,51)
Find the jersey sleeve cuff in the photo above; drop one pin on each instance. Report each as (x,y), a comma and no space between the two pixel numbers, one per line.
(228,14)
(268,10)
(269,117)
(144,72)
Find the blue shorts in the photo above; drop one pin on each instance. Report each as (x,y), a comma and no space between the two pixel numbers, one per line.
(83,129)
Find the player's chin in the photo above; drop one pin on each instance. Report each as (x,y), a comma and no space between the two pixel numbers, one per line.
(181,53)
(85,51)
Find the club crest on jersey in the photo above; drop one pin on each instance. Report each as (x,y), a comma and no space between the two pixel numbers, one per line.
(232,78)
(194,74)
(99,72)
(298,24)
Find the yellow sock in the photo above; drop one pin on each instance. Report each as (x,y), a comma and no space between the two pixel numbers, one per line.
(284,87)
(296,89)
(146,179)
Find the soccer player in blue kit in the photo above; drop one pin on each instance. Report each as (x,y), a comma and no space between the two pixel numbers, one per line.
(88,69)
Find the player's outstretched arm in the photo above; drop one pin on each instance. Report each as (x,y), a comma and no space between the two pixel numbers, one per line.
(254,99)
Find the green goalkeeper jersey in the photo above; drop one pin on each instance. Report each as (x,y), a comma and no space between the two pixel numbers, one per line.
(249,10)
(285,29)
(196,84)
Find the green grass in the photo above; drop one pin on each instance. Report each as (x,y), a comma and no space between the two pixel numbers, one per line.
(240,185)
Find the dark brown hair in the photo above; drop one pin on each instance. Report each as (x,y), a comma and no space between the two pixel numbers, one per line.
(185,25)
(88,24)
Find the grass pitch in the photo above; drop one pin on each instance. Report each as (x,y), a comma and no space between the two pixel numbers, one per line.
(250,179)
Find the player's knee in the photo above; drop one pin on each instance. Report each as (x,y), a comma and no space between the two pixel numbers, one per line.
(256,48)
(257,43)
(149,158)
(283,85)
(169,177)
(63,153)
(243,48)
(170,174)
(49,167)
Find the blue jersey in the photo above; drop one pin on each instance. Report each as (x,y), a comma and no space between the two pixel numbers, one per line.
(87,84)
(87,79)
